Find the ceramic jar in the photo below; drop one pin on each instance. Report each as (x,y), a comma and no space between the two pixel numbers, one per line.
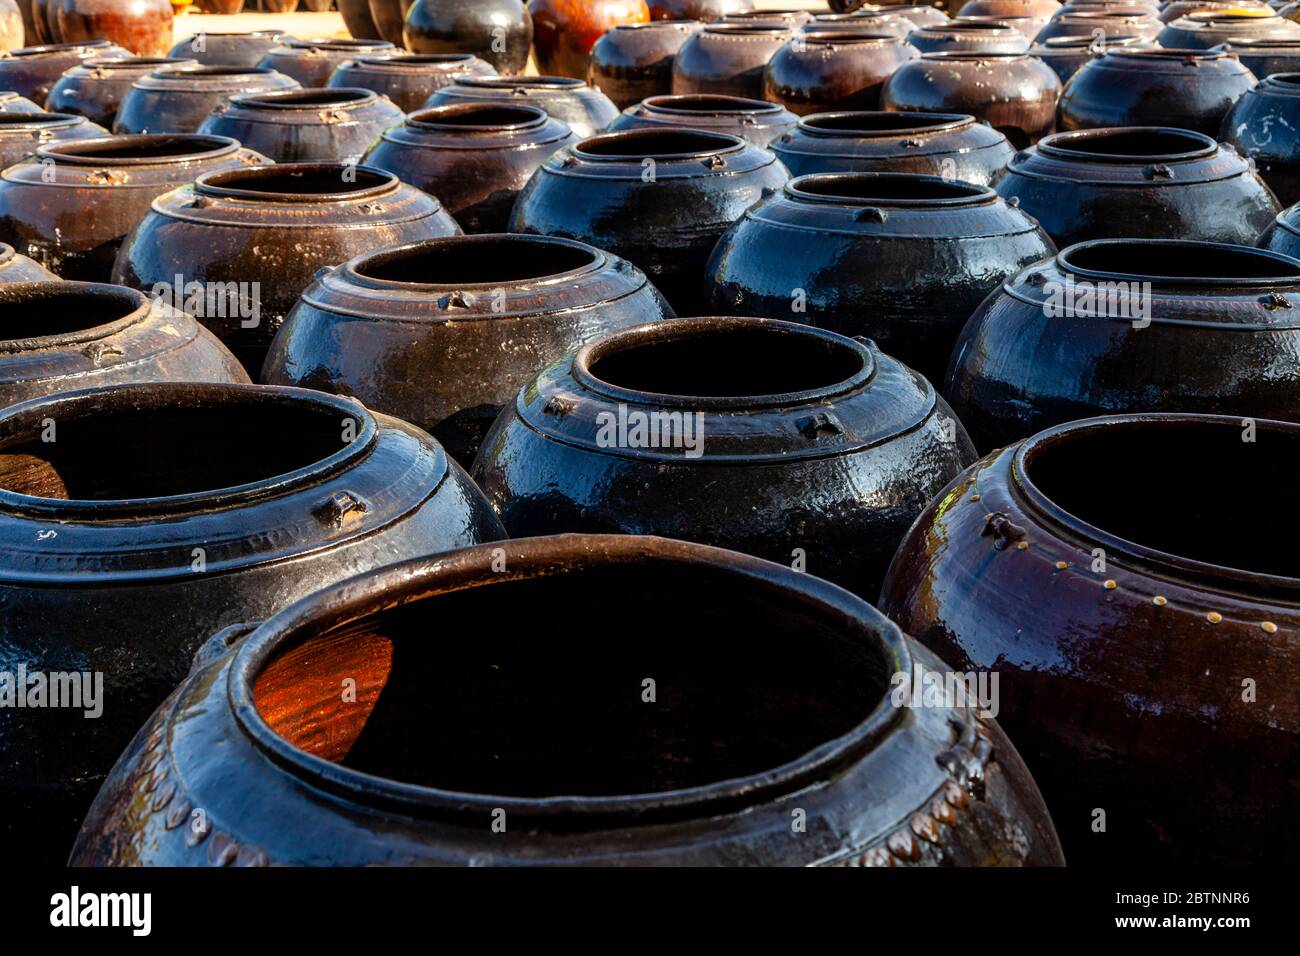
(311,62)
(634,61)
(33,70)
(407,79)
(13,103)
(1283,235)
(21,134)
(584,109)
(1262,126)
(16,268)
(228,49)
(1115,21)
(728,58)
(357,18)
(1174,9)
(885,24)
(471,26)
(388,17)
(918,14)
(1205,30)
(179,99)
(696,9)
(142,27)
(94,89)
(1067,55)
(564,31)
(970,36)
(821,72)
(791,18)
(1266,57)
(757,121)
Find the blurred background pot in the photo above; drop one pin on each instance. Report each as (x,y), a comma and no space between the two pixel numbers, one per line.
(1066,55)
(179,99)
(32,70)
(728,58)
(1205,30)
(1265,126)
(696,9)
(979,36)
(233,502)
(1113,21)
(665,223)
(1045,9)
(1027,27)
(357,18)
(228,49)
(16,268)
(586,110)
(443,333)
(819,72)
(311,62)
(1174,9)
(471,26)
(564,31)
(1266,57)
(920,14)
(635,60)
(1139,182)
(886,24)
(387,17)
(791,17)
(757,121)
(142,27)
(94,89)
(13,103)
(21,134)
(407,79)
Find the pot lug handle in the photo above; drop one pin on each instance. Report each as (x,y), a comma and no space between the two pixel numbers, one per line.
(322,272)
(221,642)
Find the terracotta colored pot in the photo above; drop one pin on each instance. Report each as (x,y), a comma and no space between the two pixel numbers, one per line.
(21,134)
(409,79)
(1262,126)
(234,502)
(179,99)
(229,49)
(821,72)
(1266,57)
(1109,22)
(728,58)
(31,71)
(443,333)
(95,89)
(951,145)
(49,11)
(693,785)
(11,27)
(497,31)
(1014,93)
(1123,682)
(902,259)
(16,268)
(1205,30)
(777,410)
(757,121)
(72,204)
(318,6)
(564,31)
(1066,55)
(143,27)
(974,36)
(270,230)
(885,23)
(357,18)
(1139,182)
(311,62)
(696,9)
(475,157)
(634,61)
(586,110)
(1049,348)
(660,198)
(294,126)
(280,6)
(1174,9)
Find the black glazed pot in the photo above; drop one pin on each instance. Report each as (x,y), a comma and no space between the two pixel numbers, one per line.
(820,72)
(634,61)
(71,205)
(968,36)
(311,61)
(228,49)
(443,333)
(660,198)
(21,134)
(265,232)
(1184,89)
(1067,55)
(307,125)
(32,70)
(1263,125)
(498,31)
(1131,325)
(94,89)
(1205,30)
(901,259)
(951,145)
(1283,234)
(780,440)
(233,502)
(407,79)
(1103,22)
(1142,182)
(475,157)
(1266,57)
(728,58)
(257,734)
(586,110)
(179,99)
(757,121)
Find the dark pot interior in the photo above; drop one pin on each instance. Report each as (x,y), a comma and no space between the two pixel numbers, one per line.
(48,310)
(888,189)
(1149,143)
(475,260)
(296,182)
(305,99)
(479,115)
(712,103)
(881,122)
(141,148)
(640,144)
(1186,262)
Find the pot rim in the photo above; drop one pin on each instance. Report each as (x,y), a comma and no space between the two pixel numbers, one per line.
(80,152)
(1264,43)
(335,44)
(1058,145)
(427,117)
(726,145)
(137,305)
(414,60)
(833,37)
(940,56)
(689,23)
(1106,15)
(28,122)
(737,28)
(275,34)
(990,25)
(329,97)
(677,329)
(964,193)
(1063,261)
(476,81)
(65,406)
(656,104)
(468,568)
(131,62)
(1289,81)
(216,183)
(1075,42)
(1210,16)
(210,69)
(925,123)
(1182,54)
(45,49)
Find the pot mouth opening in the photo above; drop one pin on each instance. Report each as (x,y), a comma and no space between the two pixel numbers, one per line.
(136,450)
(772,28)
(696,363)
(297,182)
(484,260)
(312,98)
(521,82)
(140,149)
(1263,43)
(1170,53)
(978,26)
(41,315)
(1243,16)
(1130,144)
(334,43)
(35,121)
(1123,14)
(1179,262)
(712,103)
(186,70)
(47,48)
(660,25)
(134,62)
(973,56)
(1052,44)
(234,35)
(880,123)
(550,720)
(834,37)
(1283,79)
(663,144)
(486,116)
(888,189)
(416,59)
(785,13)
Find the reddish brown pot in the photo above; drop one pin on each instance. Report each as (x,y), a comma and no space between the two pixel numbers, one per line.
(728,58)
(408,79)
(143,27)
(311,62)
(634,61)
(357,18)
(564,31)
(587,110)
(280,6)
(696,9)
(222,7)
(821,72)
(33,70)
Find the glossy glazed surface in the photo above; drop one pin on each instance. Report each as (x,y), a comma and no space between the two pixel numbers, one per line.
(31,71)
(466,26)
(757,121)
(311,62)
(94,89)
(728,58)
(1263,126)
(821,72)
(357,18)
(179,99)
(1067,55)
(21,134)
(1266,57)
(978,36)
(228,49)
(564,31)
(696,9)
(634,61)
(586,110)
(1207,30)
(1117,21)
(407,79)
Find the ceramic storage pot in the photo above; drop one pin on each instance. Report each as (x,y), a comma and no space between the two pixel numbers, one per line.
(1141,182)
(94,89)
(1115,21)
(1174,9)
(686,782)
(978,36)
(757,121)
(228,49)
(1126,622)
(791,18)
(263,233)
(918,14)
(311,62)
(728,58)
(1283,235)
(233,502)
(696,9)
(475,157)
(820,72)
(1045,9)
(635,60)
(586,110)
(443,333)
(901,259)
(357,18)
(70,206)
(564,31)
(1131,325)
(660,198)
(16,268)
(1266,57)
(142,27)
(886,24)
(1066,55)
(497,31)
(33,70)
(1263,126)
(1028,27)
(388,18)
(179,99)
(779,440)
(1205,30)
(13,25)
(307,125)
(409,79)
(13,103)
(21,134)
(934,144)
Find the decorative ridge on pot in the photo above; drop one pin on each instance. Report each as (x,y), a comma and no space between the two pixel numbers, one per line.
(758,121)
(1163,145)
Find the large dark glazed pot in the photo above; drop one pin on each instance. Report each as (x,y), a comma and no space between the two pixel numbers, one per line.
(309,125)
(16,268)
(311,62)
(696,9)
(820,72)
(1283,235)
(1185,89)
(1205,30)
(1265,126)
(388,19)
(408,79)
(885,24)
(728,58)
(142,27)
(586,110)
(901,259)
(1028,27)
(659,198)
(780,440)
(757,121)
(229,49)
(951,145)
(1014,93)
(70,206)
(443,333)
(1131,325)
(233,502)
(564,31)
(1108,22)
(978,36)
(549,742)
(33,70)
(1143,644)
(497,31)
(1266,57)
(95,89)
(475,157)
(634,61)
(265,232)
(21,134)
(357,18)
(179,99)
(1140,182)
(1067,55)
